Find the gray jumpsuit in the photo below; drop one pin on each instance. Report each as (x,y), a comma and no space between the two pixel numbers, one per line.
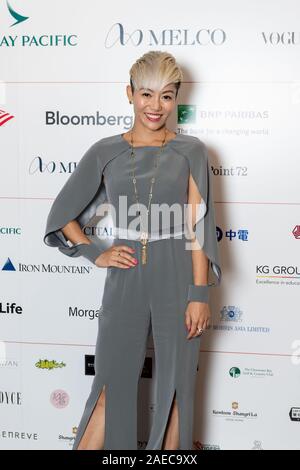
(151,296)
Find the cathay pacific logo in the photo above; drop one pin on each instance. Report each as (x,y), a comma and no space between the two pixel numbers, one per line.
(17,16)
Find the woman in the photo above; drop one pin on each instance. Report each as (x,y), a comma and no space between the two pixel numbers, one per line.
(153,280)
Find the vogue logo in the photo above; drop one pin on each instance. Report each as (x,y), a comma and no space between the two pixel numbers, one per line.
(166,37)
(287,37)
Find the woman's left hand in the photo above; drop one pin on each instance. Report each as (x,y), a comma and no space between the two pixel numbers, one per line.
(198,315)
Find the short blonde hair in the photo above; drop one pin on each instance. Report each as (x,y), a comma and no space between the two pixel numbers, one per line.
(155,70)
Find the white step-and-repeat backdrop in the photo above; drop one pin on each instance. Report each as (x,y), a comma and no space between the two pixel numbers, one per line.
(64,67)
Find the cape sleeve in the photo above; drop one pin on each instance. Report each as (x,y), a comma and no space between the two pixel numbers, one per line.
(205,232)
(78,200)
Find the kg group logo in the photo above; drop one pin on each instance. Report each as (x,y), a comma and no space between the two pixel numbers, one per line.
(12,15)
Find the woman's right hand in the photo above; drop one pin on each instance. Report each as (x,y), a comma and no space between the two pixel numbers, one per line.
(118,256)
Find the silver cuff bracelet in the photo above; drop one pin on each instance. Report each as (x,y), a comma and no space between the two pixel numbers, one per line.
(89,251)
(198,293)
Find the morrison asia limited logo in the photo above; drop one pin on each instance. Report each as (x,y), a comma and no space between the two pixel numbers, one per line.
(13,16)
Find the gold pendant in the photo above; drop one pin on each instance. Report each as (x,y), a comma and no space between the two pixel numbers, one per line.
(144,240)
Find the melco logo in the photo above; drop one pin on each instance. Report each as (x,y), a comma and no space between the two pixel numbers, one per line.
(165,37)
(37,165)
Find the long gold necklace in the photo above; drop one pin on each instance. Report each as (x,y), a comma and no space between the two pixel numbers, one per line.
(145,235)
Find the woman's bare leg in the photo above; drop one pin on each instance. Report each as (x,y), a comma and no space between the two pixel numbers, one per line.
(93,437)
(171,438)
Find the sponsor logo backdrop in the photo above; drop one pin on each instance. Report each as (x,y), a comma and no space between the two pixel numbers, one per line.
(64,67)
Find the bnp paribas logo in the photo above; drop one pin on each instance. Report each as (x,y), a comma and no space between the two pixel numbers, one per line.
(186,114)
(18,17)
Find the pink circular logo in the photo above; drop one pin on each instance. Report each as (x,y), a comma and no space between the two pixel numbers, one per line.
(59,398)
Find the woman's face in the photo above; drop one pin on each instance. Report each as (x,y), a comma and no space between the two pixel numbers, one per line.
(151,107)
